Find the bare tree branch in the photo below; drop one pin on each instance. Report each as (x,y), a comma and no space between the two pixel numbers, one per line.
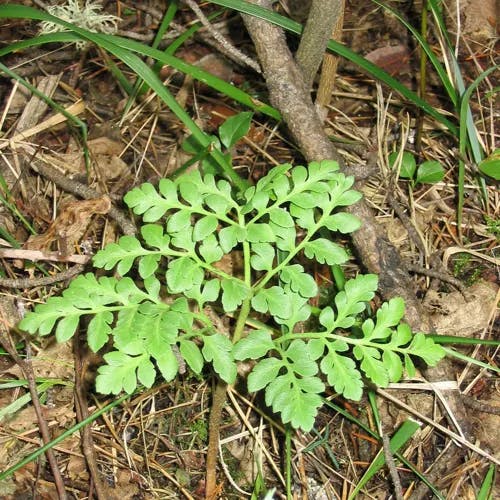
(323,16)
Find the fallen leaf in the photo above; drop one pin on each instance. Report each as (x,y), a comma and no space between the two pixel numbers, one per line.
(456,315)
(394,59)
(70,225)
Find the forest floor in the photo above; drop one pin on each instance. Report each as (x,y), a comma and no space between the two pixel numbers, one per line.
(153,445)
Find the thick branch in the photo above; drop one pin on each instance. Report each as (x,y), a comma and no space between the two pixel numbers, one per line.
(323,16)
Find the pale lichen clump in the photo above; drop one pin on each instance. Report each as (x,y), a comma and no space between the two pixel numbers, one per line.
(86,15)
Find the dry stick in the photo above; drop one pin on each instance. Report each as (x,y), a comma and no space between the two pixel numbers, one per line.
(44,281)
(34,255)
(480,405)
(82,413)
(389,460)
(27,370)
(85,192)
(218,400)
(288,93)
(439,275)
(290,96)
(227,47)
(78,189)
(323,15)
(329,67)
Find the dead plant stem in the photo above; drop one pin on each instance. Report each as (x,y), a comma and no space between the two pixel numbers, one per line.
(218,401)
(27,369)
(43,281)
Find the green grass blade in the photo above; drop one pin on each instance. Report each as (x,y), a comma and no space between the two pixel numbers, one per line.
(465,116)
(324,442)
(457,74)
(343,51)
(369,432)
(440,70)
(141,69)
(165,23)
(23,400)
(400,437)
(9,238)
(486,490)
(174,46)
(4,200)
(16,212)
(468,124)
(372,399)
(452,339)
(468,359)
(196,73)
(150,77)
(20,11)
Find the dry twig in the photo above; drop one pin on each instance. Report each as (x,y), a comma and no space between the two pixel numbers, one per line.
(82,413)
(389,460)
(226,47)
(43,281)
(27,369)
(85,192)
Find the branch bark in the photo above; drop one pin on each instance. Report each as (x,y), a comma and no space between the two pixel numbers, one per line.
(322,17)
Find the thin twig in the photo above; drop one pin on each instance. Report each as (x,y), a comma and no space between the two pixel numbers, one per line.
(321,20)
(85,192)
(82,413)
(480,405)
(45,280)
(438,274)
(405,220)
(389,460)
(442,276)
(35,255)
(228,49)
(218,401)
(329,67)
(27,369)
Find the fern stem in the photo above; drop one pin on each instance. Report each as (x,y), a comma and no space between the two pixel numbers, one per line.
(242,319)
(218,401)
(288,462)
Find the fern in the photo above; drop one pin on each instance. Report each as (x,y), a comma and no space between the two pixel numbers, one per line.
(168,288)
